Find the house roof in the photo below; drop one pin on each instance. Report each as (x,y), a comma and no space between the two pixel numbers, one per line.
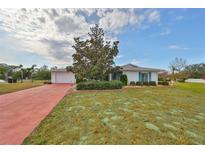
(134,68)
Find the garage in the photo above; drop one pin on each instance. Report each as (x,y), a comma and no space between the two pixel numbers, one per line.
(62,76)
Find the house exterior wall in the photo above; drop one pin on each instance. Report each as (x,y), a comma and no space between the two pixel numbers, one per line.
(134,76)
(154,77)
(52,77)
(62,77)
(131,76)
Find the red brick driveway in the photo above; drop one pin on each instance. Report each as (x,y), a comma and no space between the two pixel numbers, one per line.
(22,111)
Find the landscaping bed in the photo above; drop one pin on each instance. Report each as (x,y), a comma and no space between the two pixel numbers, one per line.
(147,115)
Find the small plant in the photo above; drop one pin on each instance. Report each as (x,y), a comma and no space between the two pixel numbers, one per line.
(138,83)
(132,83)
(145,83)
(165,83)
(152,83)
(123,79)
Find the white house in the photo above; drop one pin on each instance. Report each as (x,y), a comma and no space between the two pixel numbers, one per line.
(138,74)
(62,76)
(134,73)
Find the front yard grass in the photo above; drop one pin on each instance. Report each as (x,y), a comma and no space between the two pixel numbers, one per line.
(12,87)
(147,115)
(195,87)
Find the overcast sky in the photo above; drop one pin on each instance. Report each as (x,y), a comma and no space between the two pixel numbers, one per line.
(148,37)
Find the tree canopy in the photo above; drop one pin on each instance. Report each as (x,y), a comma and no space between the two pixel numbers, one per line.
(94,57)
(195,70)
(177,67)
(20,72)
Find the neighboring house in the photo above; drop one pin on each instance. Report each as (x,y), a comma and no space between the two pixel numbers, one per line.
(195,80)
(134,73)
(62,76)
(137,74)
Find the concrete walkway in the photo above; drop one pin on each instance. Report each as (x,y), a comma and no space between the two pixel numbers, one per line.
(22,111)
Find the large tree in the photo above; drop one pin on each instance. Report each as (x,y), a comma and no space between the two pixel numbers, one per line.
(94,57)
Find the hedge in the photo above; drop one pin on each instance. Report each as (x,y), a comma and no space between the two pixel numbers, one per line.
(138,83)
(123,79)
(99,85)
(132,83)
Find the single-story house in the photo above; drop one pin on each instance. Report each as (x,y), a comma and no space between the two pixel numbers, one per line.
(137,74)
(62,76)
(134,73)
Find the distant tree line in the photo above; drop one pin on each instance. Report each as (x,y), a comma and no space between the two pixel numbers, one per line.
(181,71)
(21,73)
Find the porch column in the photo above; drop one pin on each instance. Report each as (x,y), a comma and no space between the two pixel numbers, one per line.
(150,78)
(110,76)
(140,77)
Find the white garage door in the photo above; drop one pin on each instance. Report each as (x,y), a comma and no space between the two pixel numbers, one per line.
(64,77)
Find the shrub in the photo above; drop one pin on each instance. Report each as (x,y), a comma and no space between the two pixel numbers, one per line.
(132,83)
(138,83)
(47,82)
(166,83)
(152,83)
(182,80)
(123,79)
(99,85)
(145,83)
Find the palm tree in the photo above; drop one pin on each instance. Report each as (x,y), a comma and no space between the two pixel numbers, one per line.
(32,71)
(21,69)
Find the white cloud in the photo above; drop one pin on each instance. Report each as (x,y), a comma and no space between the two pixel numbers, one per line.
(116,19)
(50,32)
(135,62)
(178,47)
(31,27)
(167,31)
(154,16)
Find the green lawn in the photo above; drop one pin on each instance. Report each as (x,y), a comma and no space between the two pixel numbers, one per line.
(195,87)
(148,115)
(12,87)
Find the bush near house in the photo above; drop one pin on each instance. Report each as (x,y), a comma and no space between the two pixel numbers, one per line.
(145,83)
(165,83)
(152,83)
(138,83)
(99,85)
(123,79)
(132,83)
